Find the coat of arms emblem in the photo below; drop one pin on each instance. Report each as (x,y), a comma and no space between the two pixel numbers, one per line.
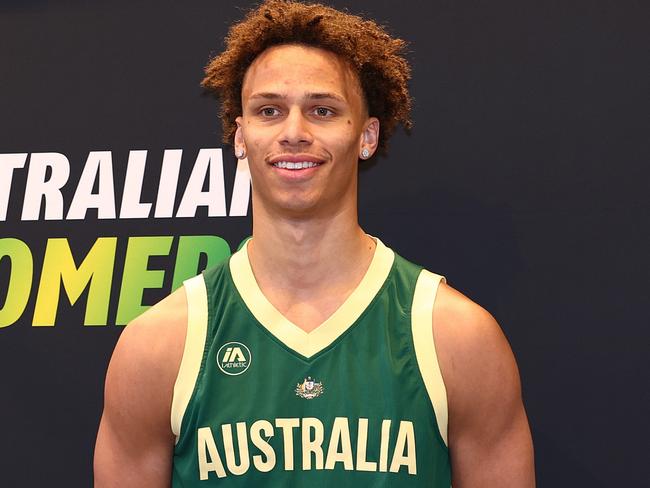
(309,388)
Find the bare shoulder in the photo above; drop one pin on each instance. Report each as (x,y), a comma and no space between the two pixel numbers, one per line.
(489,437)
(461,314)
(159,332)
(147,356)
(135,442)
(153,342)
(471,346)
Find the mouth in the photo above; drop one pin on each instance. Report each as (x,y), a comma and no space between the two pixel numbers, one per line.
(295,162)
(295,165)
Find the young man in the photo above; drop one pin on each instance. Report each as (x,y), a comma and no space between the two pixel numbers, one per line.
(315,356)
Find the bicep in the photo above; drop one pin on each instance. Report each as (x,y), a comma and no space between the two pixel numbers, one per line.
(123,461)
(497,454)
(489,438)
(134,445)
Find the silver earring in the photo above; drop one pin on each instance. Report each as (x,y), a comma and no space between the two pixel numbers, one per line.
(241,153)
(365,153)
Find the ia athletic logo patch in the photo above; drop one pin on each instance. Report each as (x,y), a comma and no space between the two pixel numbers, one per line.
(309,388)
(234,358)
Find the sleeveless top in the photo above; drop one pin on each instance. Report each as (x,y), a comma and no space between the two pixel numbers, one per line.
(359,401)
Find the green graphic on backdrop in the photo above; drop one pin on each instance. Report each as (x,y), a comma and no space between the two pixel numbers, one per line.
(20,282)
(95,273)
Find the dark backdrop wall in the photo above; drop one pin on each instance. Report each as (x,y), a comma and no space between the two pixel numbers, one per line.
(525,181)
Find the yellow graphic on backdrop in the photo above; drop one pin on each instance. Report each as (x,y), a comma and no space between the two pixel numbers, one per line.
(95,273)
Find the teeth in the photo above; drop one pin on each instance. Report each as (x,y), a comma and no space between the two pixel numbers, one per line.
(296,165)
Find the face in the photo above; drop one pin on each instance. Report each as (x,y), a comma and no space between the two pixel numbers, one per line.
(303,127)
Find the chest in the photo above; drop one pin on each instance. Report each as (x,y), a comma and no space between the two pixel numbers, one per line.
(358,404)
(345,404)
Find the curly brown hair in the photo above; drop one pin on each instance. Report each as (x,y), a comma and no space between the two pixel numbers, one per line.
(375,56)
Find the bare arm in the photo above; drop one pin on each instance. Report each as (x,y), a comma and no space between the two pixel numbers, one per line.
(489,438)
(135,444)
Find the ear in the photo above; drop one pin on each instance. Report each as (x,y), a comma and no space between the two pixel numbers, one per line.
(370,136)
(238,142)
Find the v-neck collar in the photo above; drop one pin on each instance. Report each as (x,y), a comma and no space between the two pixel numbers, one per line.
(310,343)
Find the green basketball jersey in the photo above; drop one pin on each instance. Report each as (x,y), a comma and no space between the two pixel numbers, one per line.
(359,401)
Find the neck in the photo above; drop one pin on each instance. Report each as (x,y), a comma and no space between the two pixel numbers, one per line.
(311,254)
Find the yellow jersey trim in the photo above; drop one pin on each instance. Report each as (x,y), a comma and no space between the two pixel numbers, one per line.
(197,329)
(310,343)
(424,297)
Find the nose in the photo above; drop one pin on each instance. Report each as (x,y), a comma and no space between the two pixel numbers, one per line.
(295,130)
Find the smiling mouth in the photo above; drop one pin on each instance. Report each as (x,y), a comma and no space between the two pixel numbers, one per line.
(295,164)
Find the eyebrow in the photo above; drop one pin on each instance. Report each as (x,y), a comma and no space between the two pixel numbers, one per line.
(308,96)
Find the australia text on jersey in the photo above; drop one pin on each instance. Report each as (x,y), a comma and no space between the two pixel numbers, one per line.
(312,434)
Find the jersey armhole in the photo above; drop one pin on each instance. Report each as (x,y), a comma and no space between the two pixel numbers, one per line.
(197,327)
(424,297)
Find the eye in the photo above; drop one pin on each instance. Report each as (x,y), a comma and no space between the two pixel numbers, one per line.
(269,111)
(323,112)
